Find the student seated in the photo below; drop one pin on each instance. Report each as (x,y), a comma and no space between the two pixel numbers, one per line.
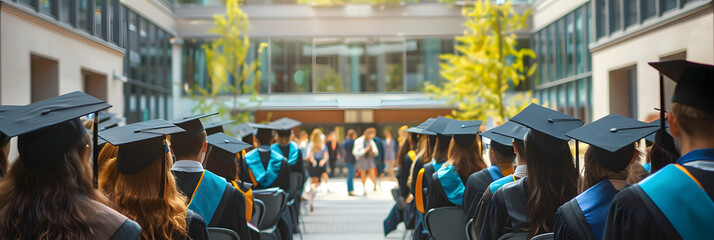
(144,188)
(48,192)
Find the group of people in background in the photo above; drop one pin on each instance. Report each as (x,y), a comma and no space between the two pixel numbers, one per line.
(529,183)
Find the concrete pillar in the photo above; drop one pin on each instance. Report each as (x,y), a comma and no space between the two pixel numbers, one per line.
(176,76)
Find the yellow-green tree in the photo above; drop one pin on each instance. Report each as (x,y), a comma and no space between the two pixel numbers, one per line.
(230,71)
(486,64)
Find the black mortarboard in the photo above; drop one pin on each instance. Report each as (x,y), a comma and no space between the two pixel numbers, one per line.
(511,129)
(244,130)
(463,132)
(285,123)
(651,137)
(48,128)
(695,82)
(495,137)
(4,108)
(104,116)
(216,127)
(611,134)
(191,124)
(550,126)
(139,143)
(110,123)
(439,124)
(421,128)
(224,148)
(263,131)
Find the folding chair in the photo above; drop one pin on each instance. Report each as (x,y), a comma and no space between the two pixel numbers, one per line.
(514,236)
(295,180)
(275,200)
(215,233)
(470,233)
(258,212)
(544,236)
(446,223)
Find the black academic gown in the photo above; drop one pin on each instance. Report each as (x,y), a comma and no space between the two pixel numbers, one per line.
(437,196)
(476,185)
(506,212)
(196,226)
(107,224)
(230,212)
(633,215)
(403,176)
(282,181)
(298,167)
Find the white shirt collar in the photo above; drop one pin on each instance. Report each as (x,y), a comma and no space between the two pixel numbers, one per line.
(520,171)
(187,166)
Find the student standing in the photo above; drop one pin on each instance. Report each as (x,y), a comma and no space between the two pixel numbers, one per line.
(333,151)
(47,192)
(350,160)
(676,201)
(527,207)
(144,189)
(612,149)
(366,150)
(206,192)
(391,146)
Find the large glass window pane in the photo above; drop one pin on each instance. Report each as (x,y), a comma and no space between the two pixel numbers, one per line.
(264,65)
(291,65)
(46,6)
(630,12)
(332,65)
(552,37)
(98,12)
(600,18)
(423,60)
(194,65)
(28,2)
(648,8)
(580,46)
(569,45)
(65,9)
(560,48)
(392,70)
(614,15)
(571,89)
(666,5)
(562,98)
(83,16)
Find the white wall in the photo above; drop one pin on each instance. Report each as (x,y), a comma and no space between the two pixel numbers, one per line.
(695,34)
(548,11)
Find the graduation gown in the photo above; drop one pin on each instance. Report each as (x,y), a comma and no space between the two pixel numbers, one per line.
(403,174)
(195,226)
(506,212)
(476,185)
(110,224)
(639,212)
(294,156)
(446,188)
(584,216)
(230,212)
(273,165)
(483,203)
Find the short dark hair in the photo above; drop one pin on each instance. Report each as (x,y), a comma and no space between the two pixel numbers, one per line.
(521,146)
(187,145)
(694,122)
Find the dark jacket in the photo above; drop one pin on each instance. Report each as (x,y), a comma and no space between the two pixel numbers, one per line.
(347,151)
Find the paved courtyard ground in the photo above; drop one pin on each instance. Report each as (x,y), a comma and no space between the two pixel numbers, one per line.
(337,216)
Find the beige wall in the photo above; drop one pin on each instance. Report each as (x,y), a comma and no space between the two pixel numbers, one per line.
(694,34)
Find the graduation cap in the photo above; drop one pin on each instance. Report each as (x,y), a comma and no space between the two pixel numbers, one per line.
(611,134)
(549,126)
(191,124)
(104,116)
(500,143)
(110,123)
(140,144)
(285,125)
(216,127)
(651,137)
(245,129)
(512,130)
(695,82)
(421,128)
(224,148)
(46,129)
(463,132)
(4,108)
(439,125)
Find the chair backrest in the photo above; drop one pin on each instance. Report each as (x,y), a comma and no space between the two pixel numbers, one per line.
(295,180)
(514,236)
(274,200)
(446,223)
(215,233)
(258,212)
(470,233)
(544,236)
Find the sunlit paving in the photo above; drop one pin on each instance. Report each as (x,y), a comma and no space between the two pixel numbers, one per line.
(357,119)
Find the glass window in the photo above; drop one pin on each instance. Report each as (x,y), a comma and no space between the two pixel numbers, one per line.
(553,93)
(392,71)
(580,46)
(46,7)
(601,17)
(194,64)
(291,65)
(569,45)
(65,10)
(614,15)
(630,12)
(98,12)
(552,37)
(562,98)
(28,2)
(423,60)
(333,69)
(83,21)
(591,36)
(666,5)
(560,48)
(572,101)
(264,85)
(648,8)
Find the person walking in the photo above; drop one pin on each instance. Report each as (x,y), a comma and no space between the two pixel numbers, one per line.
(391,146)
(365,150)
(333,151)
(349,159)
(316,159)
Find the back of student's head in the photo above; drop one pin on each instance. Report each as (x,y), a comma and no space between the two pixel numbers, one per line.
(695,123)
(44,201)
(187,146)
(499,153)
(552,180)
(660,157)
(404,150)
(441,148)
(521,149)
(465,158)
(595,172)
(137,196)
(224,169)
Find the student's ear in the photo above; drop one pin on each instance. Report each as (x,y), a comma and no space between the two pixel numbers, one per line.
(674,127)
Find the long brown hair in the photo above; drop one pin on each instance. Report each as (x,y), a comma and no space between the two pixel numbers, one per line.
(404,149)
(50,201)
(594,172)
(4,152)
(108,177)
(552,180)
(465,159)
(441,149)
(422,153)
(136,196)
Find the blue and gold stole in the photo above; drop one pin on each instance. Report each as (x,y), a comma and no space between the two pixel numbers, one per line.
(681,198)
(495,185)
(207,195)
(292,152)
(595,205)
(495,172)
(452,184)
(263,177)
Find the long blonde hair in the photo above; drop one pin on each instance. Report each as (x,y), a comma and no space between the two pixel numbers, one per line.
(318,140)
(136,196)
